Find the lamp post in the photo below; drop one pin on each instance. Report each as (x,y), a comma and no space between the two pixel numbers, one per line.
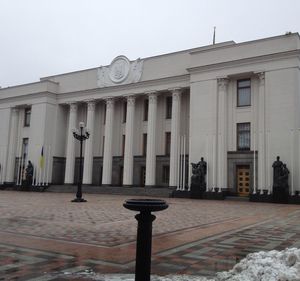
(82,134)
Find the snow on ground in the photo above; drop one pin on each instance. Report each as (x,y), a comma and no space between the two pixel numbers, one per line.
(261,266)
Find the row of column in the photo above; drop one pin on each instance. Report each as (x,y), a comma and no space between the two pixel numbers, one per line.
(129,140)
(220,142)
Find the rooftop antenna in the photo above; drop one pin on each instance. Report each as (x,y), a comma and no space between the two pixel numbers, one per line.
(214,37)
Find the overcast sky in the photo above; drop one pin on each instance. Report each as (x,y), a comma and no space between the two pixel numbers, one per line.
(46,37)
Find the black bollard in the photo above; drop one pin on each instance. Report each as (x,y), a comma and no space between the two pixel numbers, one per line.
(144,233)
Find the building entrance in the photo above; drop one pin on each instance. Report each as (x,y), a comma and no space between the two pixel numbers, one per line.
(243,180)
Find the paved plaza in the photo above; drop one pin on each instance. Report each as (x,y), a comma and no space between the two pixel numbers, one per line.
(43,236)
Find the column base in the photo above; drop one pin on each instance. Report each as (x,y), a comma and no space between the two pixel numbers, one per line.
(151,186)
(127,185)
(8,184)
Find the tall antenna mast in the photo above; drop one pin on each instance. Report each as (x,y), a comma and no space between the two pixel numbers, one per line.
(214,37)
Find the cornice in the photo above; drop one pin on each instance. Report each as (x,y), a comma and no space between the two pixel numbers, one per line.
(134,89)
(245,61)
(23,98)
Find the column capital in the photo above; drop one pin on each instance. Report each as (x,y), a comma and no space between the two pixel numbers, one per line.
(91,104)
(130,100)
(73,106)
(222,82)
(175,91)
(152,96)
(261,77)
(15,110)
(110,101)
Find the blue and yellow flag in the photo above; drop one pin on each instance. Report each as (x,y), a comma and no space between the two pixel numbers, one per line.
(42,159)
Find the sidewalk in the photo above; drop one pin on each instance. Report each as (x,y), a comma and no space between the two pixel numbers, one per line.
(44,235)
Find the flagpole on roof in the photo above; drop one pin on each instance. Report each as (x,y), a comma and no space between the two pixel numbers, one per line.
(214,36)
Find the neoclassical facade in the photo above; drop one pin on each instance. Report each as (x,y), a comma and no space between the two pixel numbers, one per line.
(237,105)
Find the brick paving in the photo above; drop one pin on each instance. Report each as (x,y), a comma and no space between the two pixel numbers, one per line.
(43,236)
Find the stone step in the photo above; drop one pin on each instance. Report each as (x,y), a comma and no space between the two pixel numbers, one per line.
(136,191)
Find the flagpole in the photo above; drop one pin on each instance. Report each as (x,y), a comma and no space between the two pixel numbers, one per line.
(214,36)
(254,164)
(44,167)
(48,169)
(178,163)
(184,164)
(18,171)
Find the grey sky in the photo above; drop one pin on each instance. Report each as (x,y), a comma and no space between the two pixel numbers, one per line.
(47,37)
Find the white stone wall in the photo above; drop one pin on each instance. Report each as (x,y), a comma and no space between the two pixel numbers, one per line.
(202,74)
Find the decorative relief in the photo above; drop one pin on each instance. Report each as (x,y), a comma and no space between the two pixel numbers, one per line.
(120,71)
(222,83)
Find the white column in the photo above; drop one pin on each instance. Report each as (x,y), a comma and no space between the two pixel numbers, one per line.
(70,156)
(129,130)
(12,143)
(222,133)
(151,137)
(107,156)
(262,133)
(175,131)
(88,150)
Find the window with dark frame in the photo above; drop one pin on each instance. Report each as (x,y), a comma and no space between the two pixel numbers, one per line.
(25,148)
(243,92)
(27,115)
(124,111)
(144,151)
(167,143)
(243,136)
(146,106)
(168,107)
(166,174)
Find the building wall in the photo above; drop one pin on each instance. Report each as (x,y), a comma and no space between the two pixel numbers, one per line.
(197,73)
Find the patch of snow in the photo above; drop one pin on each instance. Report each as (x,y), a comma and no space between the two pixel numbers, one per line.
(266,266)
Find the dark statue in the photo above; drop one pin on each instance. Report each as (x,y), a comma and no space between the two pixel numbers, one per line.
(198,179)
(29,174)
(280,181)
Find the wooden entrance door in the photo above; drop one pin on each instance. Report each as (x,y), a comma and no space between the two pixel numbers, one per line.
(243,180)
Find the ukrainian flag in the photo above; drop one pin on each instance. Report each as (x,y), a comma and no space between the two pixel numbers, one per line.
(42,159)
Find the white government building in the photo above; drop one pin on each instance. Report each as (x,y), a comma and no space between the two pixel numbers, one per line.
(235,104)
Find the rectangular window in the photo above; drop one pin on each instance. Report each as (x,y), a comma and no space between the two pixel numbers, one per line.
(124,111)
(244,92)
(25,148)
(27,115)
(144,144)
(167,143)
(123,145)
(146,106)
(243,136)
(166,174)
(168,107)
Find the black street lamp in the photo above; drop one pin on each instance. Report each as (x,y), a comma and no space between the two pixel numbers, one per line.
(82,134)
